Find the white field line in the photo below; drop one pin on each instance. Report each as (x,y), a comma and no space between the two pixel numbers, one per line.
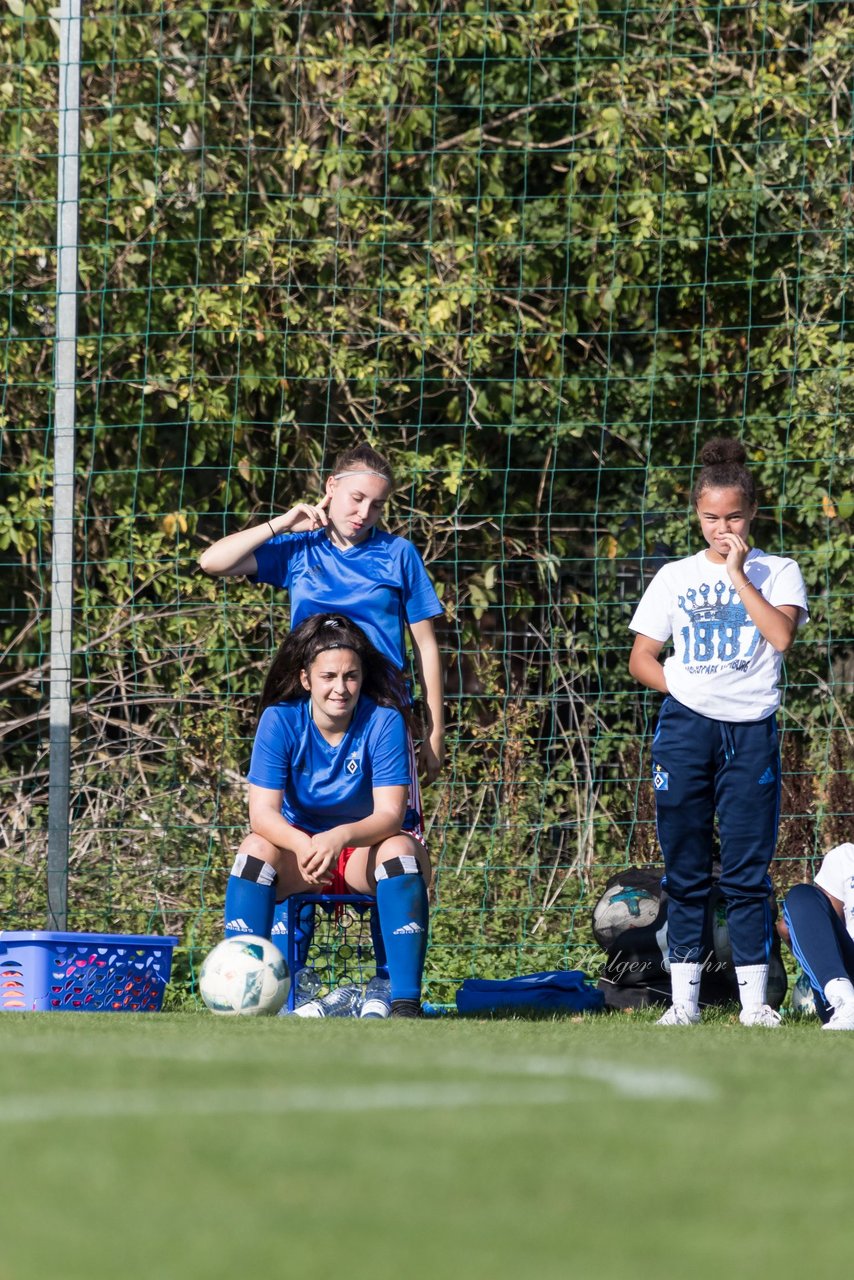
(560,1091)
(135,1104)
(629,1080)
(625,1079)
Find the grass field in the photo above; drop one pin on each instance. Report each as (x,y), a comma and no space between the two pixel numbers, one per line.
(153,1146)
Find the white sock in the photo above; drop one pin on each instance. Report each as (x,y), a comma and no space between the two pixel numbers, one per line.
(685,985)
(839,991)
(752,984)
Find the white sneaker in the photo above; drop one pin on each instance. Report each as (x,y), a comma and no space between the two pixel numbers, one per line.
(842,1018)
(764,1016)
(678,1016)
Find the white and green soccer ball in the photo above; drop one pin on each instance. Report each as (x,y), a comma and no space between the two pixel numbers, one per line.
(246,975)
(803,998)
(621,908)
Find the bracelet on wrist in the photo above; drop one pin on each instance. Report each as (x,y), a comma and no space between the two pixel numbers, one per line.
(739,590)
(272,530)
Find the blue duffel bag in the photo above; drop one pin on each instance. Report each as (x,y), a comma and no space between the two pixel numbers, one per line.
(556,991)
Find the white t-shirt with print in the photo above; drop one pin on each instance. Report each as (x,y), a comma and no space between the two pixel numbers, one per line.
(836,875)
(721,666)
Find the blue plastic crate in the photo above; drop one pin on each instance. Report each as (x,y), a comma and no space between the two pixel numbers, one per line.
(86,972)
(349,961)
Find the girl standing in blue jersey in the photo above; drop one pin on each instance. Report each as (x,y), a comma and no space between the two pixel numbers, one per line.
(334,556)
(732,612)
(329,796)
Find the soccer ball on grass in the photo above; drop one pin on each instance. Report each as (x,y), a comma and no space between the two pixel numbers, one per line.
(246,975)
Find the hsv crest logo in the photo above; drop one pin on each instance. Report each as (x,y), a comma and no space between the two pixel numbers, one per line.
(352,766)
(660,779)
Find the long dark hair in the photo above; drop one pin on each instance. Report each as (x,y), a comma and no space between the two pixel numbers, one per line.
(723,466)
(380,678)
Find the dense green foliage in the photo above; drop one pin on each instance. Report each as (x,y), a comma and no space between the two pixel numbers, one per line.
(537,254)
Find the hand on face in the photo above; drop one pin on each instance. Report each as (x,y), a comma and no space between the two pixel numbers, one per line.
(725,517)
(303,518)
(737,552)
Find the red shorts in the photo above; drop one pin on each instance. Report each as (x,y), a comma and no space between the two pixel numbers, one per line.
(338,884)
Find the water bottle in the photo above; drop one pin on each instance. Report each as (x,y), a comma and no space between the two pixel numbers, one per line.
(342,1002)
(311,1009)
(377,1002)
(307,985)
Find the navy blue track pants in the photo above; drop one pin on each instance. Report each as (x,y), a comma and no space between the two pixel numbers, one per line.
(702,768)
(821,943)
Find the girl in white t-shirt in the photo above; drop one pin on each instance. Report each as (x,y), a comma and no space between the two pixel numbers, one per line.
(731,613)
(818,924)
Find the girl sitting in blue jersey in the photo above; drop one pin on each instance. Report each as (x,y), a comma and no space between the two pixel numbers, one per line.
(332,555)
(329,796)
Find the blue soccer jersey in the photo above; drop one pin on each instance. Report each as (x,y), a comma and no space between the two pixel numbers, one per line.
(324,786)
(380,584)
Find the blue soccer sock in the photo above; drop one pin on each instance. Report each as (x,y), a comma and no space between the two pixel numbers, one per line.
(304,929)
(250,897)
(379,944)
(402,908)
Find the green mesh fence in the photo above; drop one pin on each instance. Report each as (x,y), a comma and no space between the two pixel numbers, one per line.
(537,254)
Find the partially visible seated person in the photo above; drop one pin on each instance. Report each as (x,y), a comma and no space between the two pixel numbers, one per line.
(818,925)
